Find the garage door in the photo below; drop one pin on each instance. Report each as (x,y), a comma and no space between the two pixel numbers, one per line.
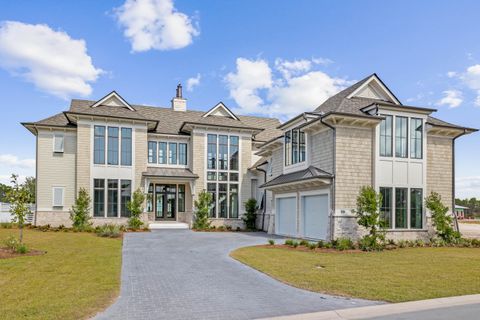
(315,216)
(286,212)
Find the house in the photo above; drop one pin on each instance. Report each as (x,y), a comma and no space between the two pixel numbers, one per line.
(305,173)
(461,211)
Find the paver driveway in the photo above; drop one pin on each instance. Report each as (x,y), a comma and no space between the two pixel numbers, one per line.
(181,274)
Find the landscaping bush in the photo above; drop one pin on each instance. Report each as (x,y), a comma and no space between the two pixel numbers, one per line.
(271,242)
(289,242)
(304,243)
(441,220)
(250,215)
(13,244)
(344,244)
(202,206)
(369,243)
(312,245)
(135,206)
(80,211)
(368,216)
(109,231)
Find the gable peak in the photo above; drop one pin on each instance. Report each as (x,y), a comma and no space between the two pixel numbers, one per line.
(220,110)
(113,99)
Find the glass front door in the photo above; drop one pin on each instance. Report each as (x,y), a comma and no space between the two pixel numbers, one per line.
(165,202)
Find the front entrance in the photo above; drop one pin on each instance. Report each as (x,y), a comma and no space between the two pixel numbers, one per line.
(165,201)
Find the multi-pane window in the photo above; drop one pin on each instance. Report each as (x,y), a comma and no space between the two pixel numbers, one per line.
(125,196)
(233,201)
(181,198)
(99,145)
(386,208)
(172,153)
(416,138)
(416,208)
(401,196)
(211,176)
(294,147)
(212,189)
(401,129)
(126,158)
(222,152)
(162,152)
(112,205)
(182,153)
(98,197)
(112,146)
(212,151)
(233,153)
(152,152)
(222,200)
(150,198)
(233,176)
(386,128)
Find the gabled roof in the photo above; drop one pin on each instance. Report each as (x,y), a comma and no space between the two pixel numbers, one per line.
(222,109)
(297,176)
(113,99)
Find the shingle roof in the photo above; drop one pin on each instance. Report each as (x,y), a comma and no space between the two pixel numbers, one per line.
(437,122)
(58,120)
(306,174)
(169,173)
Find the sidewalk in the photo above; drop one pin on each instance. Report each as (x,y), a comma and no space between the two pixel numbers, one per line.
(388,309)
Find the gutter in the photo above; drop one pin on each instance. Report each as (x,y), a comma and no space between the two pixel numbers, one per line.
(332,225)
(453,177)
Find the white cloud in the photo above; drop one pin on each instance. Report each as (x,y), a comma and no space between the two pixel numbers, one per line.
(452,98)
(155,24)
(285,91)
(467,187)
(51,60)
(193,82)
(451,74)
(10,160)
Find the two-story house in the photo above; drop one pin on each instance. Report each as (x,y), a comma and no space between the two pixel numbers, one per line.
(305,173)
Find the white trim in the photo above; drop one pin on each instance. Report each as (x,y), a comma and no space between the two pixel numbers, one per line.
(224,107)
(55,205)
(55,136)
(110,95)
(379,83)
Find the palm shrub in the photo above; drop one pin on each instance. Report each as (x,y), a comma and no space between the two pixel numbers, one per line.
(79,213)
(202,208)
(135,206)
(250,215)
(441,220)
(368,216)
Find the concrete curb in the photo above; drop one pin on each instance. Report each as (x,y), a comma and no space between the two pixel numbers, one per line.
(385,309)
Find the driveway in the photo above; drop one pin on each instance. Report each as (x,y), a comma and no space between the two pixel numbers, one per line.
(181,274)
(469,230)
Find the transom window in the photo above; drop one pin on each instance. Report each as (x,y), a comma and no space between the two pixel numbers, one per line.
(173,153)
(402,208)
(294,147)
(405,128)
(112,143)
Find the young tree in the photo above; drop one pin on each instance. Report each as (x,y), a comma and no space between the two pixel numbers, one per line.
(250,213)
(368,216)
(80,211)
(135,206)
(442,221)
(202,206)
(18,197)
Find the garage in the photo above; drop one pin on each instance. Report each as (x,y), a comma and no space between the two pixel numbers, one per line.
(286,213)
(314,216)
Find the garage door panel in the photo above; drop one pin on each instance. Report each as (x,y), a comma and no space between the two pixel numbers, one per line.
(315,216)
(287,216)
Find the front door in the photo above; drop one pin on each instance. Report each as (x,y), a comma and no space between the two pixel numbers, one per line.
(165,201)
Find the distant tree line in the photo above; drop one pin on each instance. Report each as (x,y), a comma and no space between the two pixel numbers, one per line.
(473,205)
(29,184)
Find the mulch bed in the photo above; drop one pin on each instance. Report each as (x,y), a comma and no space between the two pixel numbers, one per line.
(7,253)
(305,249)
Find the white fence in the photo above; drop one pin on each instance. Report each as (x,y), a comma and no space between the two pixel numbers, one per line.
(6,215)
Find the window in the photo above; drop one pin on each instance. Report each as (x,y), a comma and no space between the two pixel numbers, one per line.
(99,145)
(152,152)
(401,132)
(212,176)
(126,158)
(386,208)
(301,138)
(57,196)
(233,176)
(386,136)
(234,201)
(222,152)
(125,196)
(182,153)
(58,141)
(162,153)
(112,205)
(98,197)
(288,148)
(150,198)
(233,153)
(222,200)
(222,176)
(212,151)
(212,189)
(172,153)
(401,195)
(181,198)
(416,208)
(416,138)
(112,145)
(295,148)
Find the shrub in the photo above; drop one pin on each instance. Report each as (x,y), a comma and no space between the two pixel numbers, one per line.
(320,243)
(22,248)
(80,211)
(108,231)
(271,242)
(328,245)
(202,205)
(312,245)
(11,243)
(304,243)
(289,242)
(295,244)
(368,216)
(369,243)
(250,215)
(441,220)
(135,206)
(344,244)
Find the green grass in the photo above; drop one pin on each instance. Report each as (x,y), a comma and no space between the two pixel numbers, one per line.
(395,276)
(78,276)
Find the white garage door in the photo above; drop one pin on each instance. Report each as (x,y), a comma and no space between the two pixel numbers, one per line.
(315,216)
(286,212)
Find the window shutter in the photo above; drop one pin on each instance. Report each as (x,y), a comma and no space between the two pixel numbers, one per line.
(58,196)
(58,143)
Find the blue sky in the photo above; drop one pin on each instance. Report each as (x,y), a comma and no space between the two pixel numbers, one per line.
(260,57)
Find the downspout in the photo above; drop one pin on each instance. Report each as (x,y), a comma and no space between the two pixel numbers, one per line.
(453,178)
(36,178)
(332,223)
(264,196)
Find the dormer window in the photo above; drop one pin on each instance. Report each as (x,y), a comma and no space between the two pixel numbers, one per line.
(294,147)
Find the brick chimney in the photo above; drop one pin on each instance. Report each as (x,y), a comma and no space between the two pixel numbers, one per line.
(179,103)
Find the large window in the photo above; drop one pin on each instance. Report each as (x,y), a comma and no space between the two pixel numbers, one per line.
(182,154)
(112,205)
(152,152)
(401,202)
(401,144)
(386,129)
(162,152)
(233,153)
(233,201)
(126,158)
(222,200)
(172,153)
(386,208)
(112,145)
(125,196)
(150,198)
(294,147)
(222,152)
(416,208)
(99,145)
(212,151)
(181,198)
(98,197)
(212,189)
(416,138)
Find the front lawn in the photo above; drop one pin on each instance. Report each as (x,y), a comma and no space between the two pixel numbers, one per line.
(394,275)
(78,276)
